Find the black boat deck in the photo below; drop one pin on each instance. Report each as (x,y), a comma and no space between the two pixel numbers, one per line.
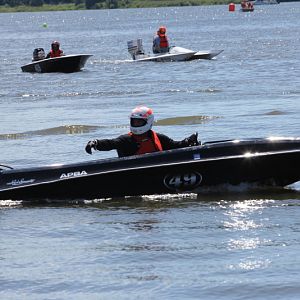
(64,64)
(261,161)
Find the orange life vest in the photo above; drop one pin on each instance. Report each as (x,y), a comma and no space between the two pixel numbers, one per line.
(55,53)
(164,43)
(147,144)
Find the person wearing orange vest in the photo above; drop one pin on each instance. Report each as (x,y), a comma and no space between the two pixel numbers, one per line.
(160,41)
(141,139)
(55,51)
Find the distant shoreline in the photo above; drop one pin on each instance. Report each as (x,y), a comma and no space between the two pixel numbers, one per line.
(133,4)
(120,5)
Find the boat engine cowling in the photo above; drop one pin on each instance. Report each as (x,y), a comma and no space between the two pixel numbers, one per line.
(38,54)
(135,47)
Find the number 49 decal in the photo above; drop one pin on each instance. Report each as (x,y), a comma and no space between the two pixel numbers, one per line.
(183,182)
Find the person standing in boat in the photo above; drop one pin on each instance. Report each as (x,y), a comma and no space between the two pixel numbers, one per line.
(141,139)
(160,41)
(55,50)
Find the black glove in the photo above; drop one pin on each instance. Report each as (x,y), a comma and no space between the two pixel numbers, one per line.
(193,139)
(91,145)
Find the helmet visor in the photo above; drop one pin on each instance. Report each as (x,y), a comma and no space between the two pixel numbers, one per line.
(135,122)
(55,46)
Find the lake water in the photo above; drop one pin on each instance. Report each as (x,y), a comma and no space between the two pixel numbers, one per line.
(242,245)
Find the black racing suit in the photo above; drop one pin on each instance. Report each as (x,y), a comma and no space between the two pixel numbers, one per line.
(126,145)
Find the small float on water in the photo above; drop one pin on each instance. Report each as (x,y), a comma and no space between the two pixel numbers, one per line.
(63,64)
(136,50)
(260,162)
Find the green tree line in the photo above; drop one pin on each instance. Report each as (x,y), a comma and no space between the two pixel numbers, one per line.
(89,4)
(19,5)
(100,4)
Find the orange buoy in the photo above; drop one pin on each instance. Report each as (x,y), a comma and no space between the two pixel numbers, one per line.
(231,7)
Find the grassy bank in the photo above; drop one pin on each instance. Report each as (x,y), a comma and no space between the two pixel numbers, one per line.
(45,7)
(131,4)
(155,3)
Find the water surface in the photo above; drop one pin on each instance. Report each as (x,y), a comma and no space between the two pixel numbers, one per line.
(216,245)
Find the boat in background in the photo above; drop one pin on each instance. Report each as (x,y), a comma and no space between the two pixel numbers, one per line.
(136,50)
(213,165)
(63,64)
(247,6)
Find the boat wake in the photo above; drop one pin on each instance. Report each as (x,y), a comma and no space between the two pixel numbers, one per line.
(108,61)
(275,113)
(30,97)
(82,129)
(187,120)
(65,129)
(218,194)
(187,91)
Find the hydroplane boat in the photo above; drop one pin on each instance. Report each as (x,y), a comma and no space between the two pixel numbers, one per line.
(64,64)
(266,162)
(135,48)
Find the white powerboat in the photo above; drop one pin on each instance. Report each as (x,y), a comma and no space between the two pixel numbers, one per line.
(135,48)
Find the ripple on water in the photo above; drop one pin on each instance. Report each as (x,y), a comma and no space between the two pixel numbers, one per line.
(81,129)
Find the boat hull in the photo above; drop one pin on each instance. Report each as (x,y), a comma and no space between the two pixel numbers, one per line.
(167,57)
(179,54)
(63,64)
(258,162)
(210,54)
(247,9)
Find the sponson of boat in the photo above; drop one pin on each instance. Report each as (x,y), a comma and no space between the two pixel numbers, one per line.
(266,162)
(63,64)
(136,50)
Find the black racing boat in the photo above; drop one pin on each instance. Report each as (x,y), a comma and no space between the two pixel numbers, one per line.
(267,162)
(63,64)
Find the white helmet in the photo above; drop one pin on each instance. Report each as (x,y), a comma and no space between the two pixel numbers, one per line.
(144,114)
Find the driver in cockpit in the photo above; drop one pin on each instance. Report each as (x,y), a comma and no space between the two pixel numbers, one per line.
(160,41)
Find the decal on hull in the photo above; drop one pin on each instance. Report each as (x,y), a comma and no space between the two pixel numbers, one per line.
(72,174)
(183,182)
(16,182)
